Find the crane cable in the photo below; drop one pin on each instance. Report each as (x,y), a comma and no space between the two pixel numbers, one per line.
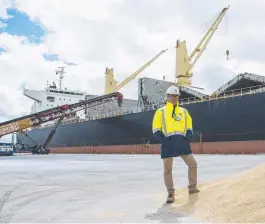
(226,33)
(206,25)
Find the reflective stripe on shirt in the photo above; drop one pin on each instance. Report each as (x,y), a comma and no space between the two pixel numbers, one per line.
(166,133)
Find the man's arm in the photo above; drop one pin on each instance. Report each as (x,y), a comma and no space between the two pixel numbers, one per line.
(189,128)
(157,127)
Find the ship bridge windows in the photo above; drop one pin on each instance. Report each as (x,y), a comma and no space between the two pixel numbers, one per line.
(66,92)
(50,98)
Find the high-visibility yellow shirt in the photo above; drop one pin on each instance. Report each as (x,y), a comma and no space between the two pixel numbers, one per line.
(170,123)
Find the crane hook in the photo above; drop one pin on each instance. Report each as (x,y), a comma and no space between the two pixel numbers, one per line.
(227,54)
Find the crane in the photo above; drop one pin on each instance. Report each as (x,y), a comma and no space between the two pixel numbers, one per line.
(67,110)
(185,63)
(111,84)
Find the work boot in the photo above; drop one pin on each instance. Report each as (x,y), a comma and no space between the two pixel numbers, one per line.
(194,191)
(170,198)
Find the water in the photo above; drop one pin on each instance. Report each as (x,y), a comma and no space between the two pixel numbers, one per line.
(100,188)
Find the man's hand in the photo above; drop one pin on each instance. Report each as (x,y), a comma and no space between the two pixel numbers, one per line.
(160,137)
(189,134)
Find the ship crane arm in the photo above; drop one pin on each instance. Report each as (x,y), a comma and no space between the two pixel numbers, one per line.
(132,76)
(111,84)
(205,40)
(185,63)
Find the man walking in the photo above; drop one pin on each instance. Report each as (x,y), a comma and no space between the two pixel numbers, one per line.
(172,127)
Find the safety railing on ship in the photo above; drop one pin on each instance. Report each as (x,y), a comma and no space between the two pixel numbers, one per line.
(98,116)
(119,112)
(226,94)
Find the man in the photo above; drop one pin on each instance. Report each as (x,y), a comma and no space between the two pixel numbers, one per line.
(172,127)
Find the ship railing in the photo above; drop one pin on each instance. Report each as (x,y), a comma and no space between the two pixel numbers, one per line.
(98,116)
(120,112)
(226,94)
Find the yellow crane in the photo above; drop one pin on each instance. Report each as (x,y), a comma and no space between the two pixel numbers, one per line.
(111,84)
(185,63)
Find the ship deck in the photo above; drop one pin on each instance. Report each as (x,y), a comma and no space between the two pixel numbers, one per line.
(100,188)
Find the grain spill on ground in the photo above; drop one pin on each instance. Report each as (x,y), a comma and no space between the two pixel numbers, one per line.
(238,198)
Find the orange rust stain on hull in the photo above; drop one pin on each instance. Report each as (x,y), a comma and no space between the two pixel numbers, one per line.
(237,147)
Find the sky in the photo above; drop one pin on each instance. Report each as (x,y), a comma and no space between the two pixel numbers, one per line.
(85,36)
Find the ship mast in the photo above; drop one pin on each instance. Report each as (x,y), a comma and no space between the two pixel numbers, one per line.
(60,72)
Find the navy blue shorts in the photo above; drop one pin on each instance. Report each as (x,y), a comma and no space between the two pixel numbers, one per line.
(174,146)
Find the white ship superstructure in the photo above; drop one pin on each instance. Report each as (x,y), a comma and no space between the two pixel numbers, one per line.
(52,96)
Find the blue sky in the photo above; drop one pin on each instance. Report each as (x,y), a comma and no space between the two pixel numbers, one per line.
(1,50)
(19,24)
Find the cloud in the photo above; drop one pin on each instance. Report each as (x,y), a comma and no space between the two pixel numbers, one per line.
(4,5)
(50,57)
(88,36)
(219,74)
(4,100)
(2,25)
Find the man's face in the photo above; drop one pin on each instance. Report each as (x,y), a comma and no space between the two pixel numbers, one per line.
(173,99)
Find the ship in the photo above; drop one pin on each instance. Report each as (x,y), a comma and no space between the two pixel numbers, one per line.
(228,121)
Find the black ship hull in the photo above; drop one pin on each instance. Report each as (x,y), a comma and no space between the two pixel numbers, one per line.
(234,119)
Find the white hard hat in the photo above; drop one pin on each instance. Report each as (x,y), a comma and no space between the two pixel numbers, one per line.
(174,90)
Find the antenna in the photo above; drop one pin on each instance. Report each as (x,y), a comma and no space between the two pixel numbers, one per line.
(60,71)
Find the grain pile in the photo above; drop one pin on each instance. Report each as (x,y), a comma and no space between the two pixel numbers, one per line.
(240,198)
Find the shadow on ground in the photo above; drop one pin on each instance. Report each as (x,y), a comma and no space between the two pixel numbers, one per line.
(174,213)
